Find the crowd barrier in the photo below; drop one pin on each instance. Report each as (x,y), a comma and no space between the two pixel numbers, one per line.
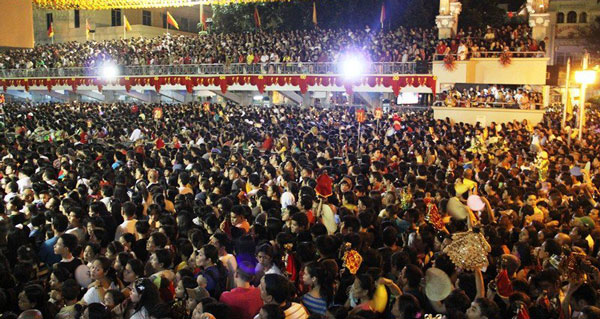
(199,69)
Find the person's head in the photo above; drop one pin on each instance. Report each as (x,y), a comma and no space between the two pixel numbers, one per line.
(407,306)
(161,259)
(65,245)
(244,273)
(144,294)
(100,268)
(33,296)
(186,282)
(482,308)
(274,289)
(411,276)
(265,254)
(584,296)
(363,287)
(156,241)
(271,311)
(91,251)
(207,256)
(121,260)
(113,249)
(113,298)
(96,310)
(70,290)
(133,270)
(299,223)
(58,275)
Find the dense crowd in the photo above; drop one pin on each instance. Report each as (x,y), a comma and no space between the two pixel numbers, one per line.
(491,42)
(321,45)
(222,211)
(493,96)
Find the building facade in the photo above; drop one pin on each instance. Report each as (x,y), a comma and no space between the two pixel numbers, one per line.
(70,25)
(568,17)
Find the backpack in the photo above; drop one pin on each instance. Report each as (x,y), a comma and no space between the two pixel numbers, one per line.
(219,275)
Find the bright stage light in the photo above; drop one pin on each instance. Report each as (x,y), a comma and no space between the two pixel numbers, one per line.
(109,71)
(352,66)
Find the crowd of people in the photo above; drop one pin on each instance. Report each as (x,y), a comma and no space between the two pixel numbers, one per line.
(492,42)
(496,96)
(318,45)
(225,211)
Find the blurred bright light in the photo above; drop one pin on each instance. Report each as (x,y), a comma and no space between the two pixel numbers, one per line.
(352,66)
(109,71)
(585,77)
(258,98)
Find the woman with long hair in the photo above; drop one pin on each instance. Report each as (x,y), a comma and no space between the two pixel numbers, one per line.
(145,297)
(321,292)
(104,278)
(214,273)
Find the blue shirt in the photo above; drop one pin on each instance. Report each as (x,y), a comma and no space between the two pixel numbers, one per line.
(47,254)
(314,305)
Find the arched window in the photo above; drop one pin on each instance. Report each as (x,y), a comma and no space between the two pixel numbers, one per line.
(560,17)
(572,17)
(583,17)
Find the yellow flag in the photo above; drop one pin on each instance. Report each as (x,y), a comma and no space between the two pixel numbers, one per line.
(314,17)
(126,24)
(569,106)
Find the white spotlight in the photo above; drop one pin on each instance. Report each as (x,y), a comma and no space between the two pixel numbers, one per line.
(109,71)
(352,67)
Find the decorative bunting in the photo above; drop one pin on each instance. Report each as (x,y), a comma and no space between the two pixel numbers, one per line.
(303,82)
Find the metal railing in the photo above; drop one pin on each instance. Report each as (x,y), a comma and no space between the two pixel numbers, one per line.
(489,105)
(492,54)
(214,69)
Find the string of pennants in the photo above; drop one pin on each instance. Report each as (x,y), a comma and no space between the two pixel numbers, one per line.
(303,82)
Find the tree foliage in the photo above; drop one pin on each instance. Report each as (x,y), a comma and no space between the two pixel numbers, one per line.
(591,39)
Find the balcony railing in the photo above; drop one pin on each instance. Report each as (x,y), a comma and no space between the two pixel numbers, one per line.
(212,69)
(492,54)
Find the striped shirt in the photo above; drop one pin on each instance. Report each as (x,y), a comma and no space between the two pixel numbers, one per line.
(314,304)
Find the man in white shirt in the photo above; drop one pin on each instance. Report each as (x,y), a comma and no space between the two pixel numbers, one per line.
(128,211)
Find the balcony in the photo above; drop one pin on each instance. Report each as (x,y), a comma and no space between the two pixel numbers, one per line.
(213,69)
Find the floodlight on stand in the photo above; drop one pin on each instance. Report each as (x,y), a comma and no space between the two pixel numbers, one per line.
(109,71)
(352,67)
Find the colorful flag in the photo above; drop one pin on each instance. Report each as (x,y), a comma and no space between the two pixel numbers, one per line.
(256,18)
(51,31)
(87,29)
(126,23)
(314,17)
(382,15)
(202,17)
(171,21)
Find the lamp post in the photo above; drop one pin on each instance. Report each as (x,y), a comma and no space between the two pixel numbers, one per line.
(584,78)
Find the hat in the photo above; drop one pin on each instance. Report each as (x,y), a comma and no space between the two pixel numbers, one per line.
(437,284)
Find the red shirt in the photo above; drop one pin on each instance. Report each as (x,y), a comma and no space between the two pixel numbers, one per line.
(245,303)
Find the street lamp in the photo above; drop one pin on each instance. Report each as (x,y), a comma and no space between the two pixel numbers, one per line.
(583,77)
